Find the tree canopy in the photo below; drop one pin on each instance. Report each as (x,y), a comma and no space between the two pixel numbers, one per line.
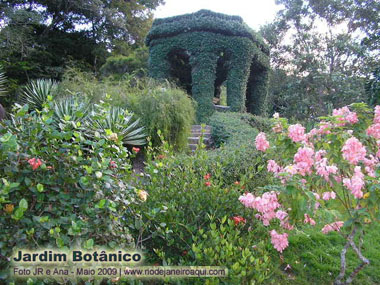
(322,53)
(39,37)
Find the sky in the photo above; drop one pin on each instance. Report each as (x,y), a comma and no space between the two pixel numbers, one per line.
(254,12)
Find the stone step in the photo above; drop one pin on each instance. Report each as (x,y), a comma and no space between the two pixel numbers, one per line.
(195,140)
(193,146)
(199,127)
(199,133)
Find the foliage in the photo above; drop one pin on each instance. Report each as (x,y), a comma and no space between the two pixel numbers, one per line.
(328,167)
(373,88)
(118,121)
(36,92)
(120,64)
(166,109)
(160,106)
(241,162)
(39,39)
(225,244)
(58,188)
(319,56)
(214,48)
(185,200)
(3,80)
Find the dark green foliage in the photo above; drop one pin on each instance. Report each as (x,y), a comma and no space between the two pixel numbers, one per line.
(211,48)
(39,39)
(236,133)
(227,244)
(318,69)
(73,198)
(373,88)
(120,64)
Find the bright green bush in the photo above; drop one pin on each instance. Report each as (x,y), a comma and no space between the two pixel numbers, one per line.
(231,128)
(238,155)
(224,243)
(57,187)
(167,109)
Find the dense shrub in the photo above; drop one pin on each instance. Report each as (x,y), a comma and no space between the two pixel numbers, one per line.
(119,64)
(231,128)
(160,106)
(238,155)
(186,212)
(58,188)
(166,109)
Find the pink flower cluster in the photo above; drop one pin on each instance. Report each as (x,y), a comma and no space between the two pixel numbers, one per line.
(304,160)
(356,183)
(353,151)
(272,166)
(370,165)
(261,142)
(324,128)
(328,195)
(345,116)
(279,241)
(332,227)
(321,165)
(296,133)
(309,220)
(265,205)
(374,130)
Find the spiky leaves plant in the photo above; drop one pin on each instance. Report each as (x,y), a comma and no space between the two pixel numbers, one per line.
(122,123)
(70,111)
(36,92)
(3,80)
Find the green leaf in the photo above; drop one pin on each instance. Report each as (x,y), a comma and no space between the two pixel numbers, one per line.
(40,187)
(23,205)
(89,244)
(101,204)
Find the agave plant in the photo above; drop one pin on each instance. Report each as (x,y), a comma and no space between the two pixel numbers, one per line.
(3,80)
(122,123)
(70,110)
(36,92)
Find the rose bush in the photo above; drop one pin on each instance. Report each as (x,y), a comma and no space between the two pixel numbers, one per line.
(330,172)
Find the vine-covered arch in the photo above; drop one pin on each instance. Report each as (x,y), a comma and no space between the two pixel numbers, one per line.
(204,49)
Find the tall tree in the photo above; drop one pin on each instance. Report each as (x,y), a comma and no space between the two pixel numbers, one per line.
(322,53)
(39,37)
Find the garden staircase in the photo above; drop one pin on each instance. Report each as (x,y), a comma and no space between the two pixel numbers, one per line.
(196,133)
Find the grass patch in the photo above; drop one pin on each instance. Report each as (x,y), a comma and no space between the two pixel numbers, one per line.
(315,258)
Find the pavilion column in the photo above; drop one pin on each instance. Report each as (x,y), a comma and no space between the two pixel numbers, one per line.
(258,90)
(158,64)
(203,73)
(237,79)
